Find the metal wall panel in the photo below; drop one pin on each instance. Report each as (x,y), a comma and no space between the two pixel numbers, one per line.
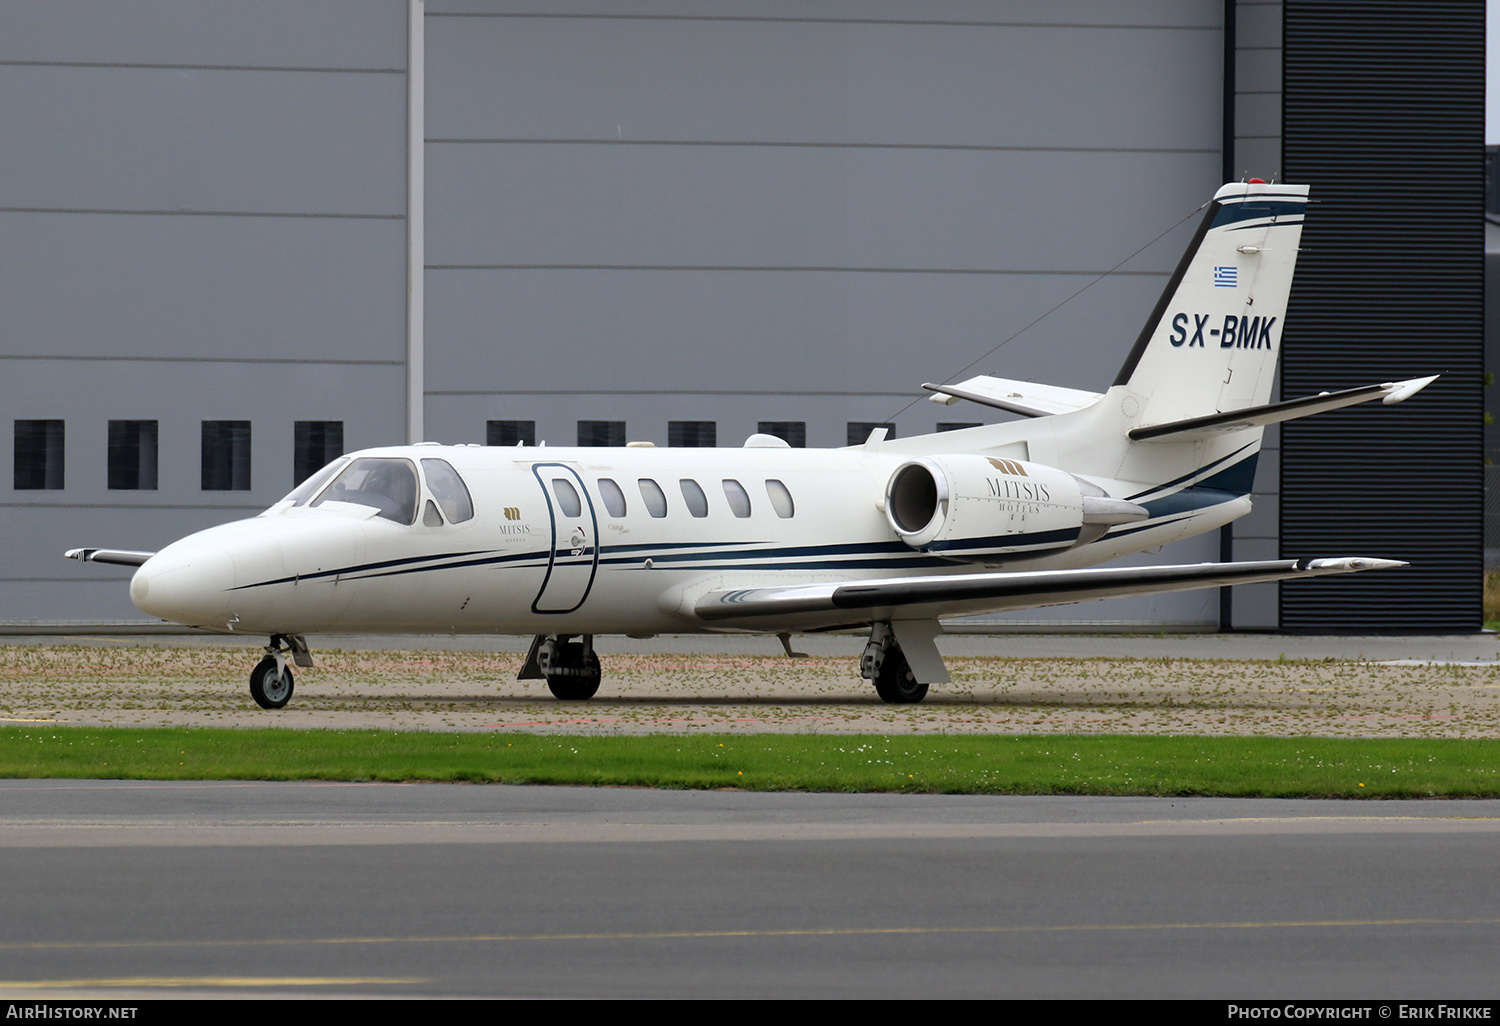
(341,34)
(813,335)
(153,139)
(1384,117)
(841,81)
(202,217)
(185,285)
(179,395)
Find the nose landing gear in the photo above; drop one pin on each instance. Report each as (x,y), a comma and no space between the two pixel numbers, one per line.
(271,680)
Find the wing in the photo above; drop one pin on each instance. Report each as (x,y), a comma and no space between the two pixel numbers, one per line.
(814,606)
(1028,398)
(122,557)
(1389,394)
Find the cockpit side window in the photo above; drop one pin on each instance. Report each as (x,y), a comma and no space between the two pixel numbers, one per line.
(387,485)
(307,489)
(449,490)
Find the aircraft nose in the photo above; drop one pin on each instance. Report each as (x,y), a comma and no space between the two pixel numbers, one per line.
(186,588)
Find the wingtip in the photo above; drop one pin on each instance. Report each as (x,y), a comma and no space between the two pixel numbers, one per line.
(1353,564)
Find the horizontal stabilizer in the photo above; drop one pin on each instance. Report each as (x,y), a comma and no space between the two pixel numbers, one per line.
(120,557)
(1274,413)
(1027,398)
(931,597)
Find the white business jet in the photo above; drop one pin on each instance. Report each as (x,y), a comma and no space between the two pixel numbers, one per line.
(890,536)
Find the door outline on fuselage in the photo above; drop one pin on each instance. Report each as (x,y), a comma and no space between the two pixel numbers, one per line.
(568,570)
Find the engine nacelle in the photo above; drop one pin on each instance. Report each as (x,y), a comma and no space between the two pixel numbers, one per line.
(979,508)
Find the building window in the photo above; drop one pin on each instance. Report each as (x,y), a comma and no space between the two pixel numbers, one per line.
(792,432)
(601,432)
(317,443)
(39,454)
(701,434)
(510,432)
(132,455)
(859,430)
(952,426)
(226,455)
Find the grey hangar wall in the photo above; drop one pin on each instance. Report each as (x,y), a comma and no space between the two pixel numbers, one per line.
(729,211)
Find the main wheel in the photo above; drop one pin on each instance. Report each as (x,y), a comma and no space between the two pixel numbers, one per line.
(270,689)
(573,677)
(896,683)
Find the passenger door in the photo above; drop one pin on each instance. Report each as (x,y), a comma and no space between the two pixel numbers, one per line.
(574,553)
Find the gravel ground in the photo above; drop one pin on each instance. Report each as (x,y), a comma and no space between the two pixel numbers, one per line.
(137,682)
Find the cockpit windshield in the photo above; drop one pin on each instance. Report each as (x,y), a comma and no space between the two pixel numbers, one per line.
(307,489)
(387,485)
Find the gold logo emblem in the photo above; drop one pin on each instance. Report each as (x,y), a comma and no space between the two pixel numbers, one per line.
(1007,466)
(512,512)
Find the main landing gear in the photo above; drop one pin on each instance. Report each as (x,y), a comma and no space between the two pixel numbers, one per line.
(271,680)
(884,664)
(570,668)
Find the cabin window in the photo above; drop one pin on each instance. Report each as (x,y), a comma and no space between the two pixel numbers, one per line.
(449,490)
(315,444)
(307,489)
(226,456)
(654,498)
(792,432)
(781,499)
(567,498)
(39,454)
(389,486)
(614,498)
(692,494)
(132,455)
(739,499)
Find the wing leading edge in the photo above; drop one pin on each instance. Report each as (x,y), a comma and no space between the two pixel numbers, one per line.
(925,598)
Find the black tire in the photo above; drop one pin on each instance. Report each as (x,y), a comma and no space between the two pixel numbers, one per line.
(270,689)
(896,684)
(574,678)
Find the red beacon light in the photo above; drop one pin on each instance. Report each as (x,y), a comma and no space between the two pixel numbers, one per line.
(1257,181)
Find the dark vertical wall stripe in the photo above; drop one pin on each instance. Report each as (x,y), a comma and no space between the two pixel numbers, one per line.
(1383,115)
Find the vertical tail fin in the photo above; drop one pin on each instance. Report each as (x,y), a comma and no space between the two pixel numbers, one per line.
(1211,343)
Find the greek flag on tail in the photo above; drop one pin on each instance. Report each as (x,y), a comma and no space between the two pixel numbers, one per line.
(1225,277)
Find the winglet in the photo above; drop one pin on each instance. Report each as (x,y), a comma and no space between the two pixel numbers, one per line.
(1400,391)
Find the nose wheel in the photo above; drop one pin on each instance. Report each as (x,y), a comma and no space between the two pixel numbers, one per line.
(271,680)
(271,683)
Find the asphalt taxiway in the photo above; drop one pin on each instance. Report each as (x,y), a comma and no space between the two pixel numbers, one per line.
(134,889)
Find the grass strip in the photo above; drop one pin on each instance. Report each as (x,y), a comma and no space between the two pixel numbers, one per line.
(945,764)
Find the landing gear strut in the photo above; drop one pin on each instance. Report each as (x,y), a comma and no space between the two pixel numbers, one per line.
(884,664)
(271,680)
(570,667)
